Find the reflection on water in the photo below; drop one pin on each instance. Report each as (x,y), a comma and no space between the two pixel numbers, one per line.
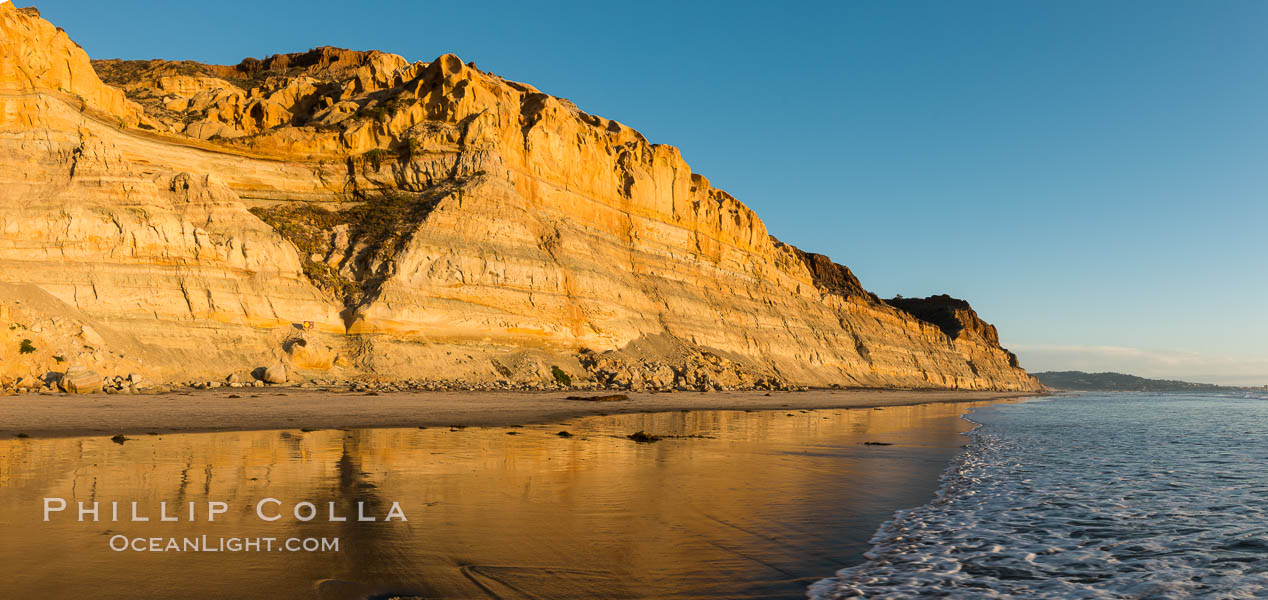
(754,505)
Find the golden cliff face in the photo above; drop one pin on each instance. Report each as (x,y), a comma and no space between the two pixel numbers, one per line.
(429,219)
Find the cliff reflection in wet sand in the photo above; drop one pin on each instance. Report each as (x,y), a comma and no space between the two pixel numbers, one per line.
(762,505)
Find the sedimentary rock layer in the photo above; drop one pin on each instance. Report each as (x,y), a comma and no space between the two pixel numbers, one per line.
(414,220)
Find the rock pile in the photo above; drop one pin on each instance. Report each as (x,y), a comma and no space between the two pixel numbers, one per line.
(131,384)
(699,371)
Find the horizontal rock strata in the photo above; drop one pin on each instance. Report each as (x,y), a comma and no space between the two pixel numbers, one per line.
(358,214)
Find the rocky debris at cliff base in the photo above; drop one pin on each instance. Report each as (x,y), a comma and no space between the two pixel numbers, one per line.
(133,383)
(306,353)
(137,384)
(634,368)
(79,380)
(273,374)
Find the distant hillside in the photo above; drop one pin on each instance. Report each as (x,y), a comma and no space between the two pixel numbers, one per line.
(1121,382)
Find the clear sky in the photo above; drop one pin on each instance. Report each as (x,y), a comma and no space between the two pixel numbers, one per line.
(1091,175)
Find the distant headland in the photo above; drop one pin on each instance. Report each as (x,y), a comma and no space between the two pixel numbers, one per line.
(1121,382)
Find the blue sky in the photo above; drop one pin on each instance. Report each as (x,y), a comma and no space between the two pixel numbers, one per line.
(1091,175)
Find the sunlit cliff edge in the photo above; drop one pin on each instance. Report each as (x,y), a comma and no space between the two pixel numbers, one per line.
(352,214)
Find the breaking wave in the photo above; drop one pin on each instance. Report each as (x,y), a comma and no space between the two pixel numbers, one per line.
(1090,496)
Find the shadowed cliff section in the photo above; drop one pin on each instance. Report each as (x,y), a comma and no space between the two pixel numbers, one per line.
(829,276)
(953,316)
(425,220)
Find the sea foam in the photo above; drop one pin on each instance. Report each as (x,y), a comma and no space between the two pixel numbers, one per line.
(1090,496)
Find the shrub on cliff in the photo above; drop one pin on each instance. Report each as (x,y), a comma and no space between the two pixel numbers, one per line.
(376,157)
(562,377)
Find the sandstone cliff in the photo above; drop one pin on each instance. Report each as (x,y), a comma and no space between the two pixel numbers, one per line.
(353,213)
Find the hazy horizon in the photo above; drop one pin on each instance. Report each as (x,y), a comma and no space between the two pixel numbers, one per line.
(1088,175)
(1152,365)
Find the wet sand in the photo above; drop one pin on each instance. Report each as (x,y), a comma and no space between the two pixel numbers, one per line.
(244,409)
(730,504)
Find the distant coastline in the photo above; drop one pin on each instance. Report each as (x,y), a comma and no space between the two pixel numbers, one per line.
(1121,382)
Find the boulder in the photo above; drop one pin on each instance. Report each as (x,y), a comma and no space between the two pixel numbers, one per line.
(80,380)
(91,337)
(661,377)
(136,383)
(274,374)
(310,354)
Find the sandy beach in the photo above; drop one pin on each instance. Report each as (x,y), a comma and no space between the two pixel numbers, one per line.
(295,408)
(746,495)
(728,504)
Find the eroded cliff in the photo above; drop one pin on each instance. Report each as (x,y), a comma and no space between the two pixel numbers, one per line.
(353,213)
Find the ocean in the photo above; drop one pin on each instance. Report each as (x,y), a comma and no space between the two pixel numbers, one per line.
(1124,495)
